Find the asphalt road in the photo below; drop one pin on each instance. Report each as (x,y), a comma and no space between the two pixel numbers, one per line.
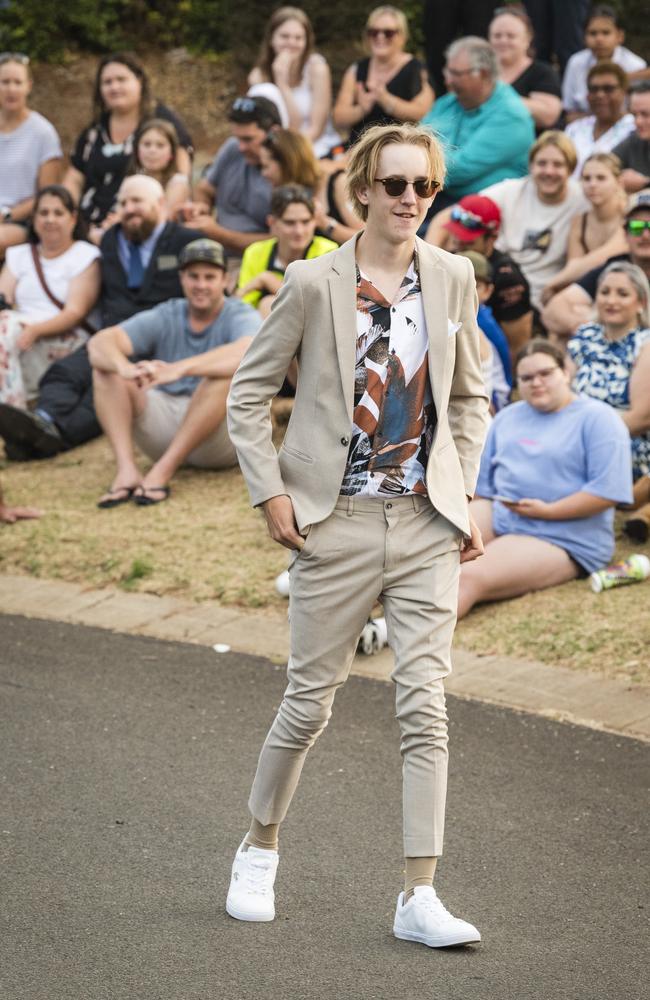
(125,767)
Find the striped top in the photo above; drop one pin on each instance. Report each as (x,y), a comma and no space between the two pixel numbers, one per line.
(22,152)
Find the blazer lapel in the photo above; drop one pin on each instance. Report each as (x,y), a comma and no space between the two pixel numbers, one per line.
(434,301)
(342,283)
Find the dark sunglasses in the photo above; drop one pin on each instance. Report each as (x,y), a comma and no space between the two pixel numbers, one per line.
(396,186)
(388,33)
(602,88)
(471,221)
(17,57)
(636,227)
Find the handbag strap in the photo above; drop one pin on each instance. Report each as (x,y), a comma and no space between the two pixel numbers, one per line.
(38,267)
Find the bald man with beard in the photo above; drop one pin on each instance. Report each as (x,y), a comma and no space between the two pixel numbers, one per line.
(139,267)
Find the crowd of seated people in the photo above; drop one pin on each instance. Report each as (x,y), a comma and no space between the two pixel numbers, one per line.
(131,288)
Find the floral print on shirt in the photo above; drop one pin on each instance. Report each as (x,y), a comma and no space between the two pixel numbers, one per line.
(394,415)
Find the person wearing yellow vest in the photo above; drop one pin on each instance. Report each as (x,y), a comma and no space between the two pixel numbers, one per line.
(292,224)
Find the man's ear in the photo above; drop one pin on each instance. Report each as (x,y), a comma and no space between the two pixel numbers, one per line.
(361,194)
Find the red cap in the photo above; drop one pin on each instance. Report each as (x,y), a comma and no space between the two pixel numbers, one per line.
(473,216)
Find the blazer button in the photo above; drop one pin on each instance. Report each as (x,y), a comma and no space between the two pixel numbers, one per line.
(345,440)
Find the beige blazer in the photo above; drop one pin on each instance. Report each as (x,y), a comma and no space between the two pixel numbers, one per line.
(314,319)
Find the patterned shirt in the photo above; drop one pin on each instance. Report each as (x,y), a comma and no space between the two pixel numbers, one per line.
(394,415)
(603,372)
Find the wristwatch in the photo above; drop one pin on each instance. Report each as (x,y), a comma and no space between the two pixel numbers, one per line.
(5,213)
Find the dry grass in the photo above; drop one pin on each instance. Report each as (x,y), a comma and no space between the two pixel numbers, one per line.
(207,544)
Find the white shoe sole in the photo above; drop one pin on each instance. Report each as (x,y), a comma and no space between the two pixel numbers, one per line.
(443,941)
(257,918)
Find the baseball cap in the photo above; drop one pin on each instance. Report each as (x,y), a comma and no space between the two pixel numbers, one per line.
(481,265)
(473,216)
(638,202)
(202,251)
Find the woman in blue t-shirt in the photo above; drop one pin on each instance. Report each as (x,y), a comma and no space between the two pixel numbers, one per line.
(554,467)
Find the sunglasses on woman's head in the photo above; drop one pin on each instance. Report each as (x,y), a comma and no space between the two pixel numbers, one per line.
(388,33)
(396,186)
(17,57)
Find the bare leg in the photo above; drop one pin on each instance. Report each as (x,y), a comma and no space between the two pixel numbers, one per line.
(117,402)
(513,565)
(481,511)
(204,415)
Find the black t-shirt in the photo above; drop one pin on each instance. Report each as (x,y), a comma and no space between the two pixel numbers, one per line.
(104,163)
(589,281)
(406,84)
(538,77)
(634,154)
(511,296)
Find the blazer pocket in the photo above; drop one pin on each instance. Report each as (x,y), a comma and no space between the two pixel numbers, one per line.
(294,453)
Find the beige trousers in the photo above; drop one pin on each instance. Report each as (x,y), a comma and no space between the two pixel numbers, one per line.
(403,551)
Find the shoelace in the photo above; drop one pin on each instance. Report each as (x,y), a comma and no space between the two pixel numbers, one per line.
(431,903)
(258,875)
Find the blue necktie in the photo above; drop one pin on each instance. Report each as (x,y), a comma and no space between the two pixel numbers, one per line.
(135,275)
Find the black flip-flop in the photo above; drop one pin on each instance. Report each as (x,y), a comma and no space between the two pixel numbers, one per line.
(143,500)
(116,497)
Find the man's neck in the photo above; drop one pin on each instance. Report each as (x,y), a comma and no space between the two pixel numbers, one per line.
(199,319)
(643,264)
(376,253)
(285,255)
(485,96)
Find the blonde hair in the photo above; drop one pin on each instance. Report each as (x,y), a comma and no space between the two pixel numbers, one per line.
(394,12)
(610,160)
(553,137)
(364,157)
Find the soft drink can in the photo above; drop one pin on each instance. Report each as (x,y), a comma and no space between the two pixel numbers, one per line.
(631,570)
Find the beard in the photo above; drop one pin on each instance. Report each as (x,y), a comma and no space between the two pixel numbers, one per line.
(139,229)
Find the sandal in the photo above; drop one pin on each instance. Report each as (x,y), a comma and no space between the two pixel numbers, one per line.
(142,498)
(116,496)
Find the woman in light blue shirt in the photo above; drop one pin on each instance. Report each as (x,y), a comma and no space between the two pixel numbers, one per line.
(554,467)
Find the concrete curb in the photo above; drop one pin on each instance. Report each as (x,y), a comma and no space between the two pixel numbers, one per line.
(581,698)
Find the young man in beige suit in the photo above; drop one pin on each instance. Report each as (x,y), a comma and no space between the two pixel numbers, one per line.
(370,490)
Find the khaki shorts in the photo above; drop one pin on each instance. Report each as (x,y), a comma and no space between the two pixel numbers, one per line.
(158,424)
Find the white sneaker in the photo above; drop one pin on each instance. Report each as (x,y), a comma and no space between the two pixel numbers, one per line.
(251,896)
(426,920)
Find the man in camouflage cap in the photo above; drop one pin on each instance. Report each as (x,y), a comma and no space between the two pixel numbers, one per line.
(171,401)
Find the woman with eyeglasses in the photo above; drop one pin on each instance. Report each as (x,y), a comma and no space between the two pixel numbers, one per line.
(610,359)
(554,467)
(609,122)
(287,157)
(597,234)
(30,150)
(511,36)
(51,285)
(302,77)
(103,151)
(390,85)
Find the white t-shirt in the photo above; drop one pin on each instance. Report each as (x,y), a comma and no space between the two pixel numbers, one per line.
(581,133)
(29,298)
(574,82)
(533,233)
(22,153)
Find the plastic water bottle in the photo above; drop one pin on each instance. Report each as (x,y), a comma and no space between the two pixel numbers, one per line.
(632,570)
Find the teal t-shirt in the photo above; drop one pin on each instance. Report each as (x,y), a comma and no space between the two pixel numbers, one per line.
(485,145)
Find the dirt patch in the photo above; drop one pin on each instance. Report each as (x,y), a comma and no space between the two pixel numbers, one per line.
(199,89)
